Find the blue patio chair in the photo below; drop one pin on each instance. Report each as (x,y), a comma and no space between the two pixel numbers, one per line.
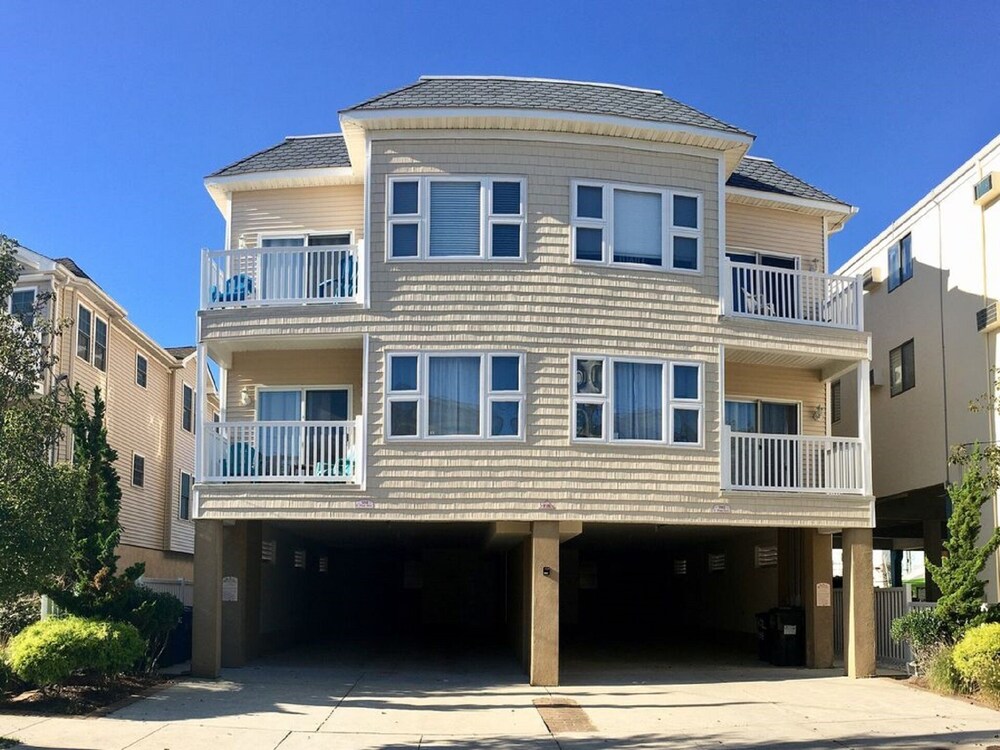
(242,461)
(237,289)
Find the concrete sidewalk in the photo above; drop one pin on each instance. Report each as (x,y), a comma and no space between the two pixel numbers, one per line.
(297,701)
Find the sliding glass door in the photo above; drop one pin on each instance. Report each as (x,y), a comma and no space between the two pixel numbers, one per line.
(766,460)
(295,449)
(761,291)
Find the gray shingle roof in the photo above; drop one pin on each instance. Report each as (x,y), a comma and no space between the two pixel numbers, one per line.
(180,352)
(530,93)
(768,177)
(298,152)
(70,265)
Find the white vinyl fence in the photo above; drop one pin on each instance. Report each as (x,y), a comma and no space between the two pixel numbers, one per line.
(182,588)
(889,604)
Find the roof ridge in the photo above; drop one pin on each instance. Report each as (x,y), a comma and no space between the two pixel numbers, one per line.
(536,79)
(313,135)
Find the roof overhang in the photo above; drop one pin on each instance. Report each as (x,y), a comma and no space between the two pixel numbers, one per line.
(354,124)
(836,213)
(220,187)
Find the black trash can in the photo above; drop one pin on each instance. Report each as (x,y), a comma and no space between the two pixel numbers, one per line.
(763,635)
(178,648)
(788,636)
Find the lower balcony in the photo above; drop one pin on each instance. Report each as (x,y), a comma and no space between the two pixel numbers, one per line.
(284,451)
(757,462)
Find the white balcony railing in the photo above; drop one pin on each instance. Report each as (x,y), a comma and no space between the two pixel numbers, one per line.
(283,451)
(251,277)
(791,295)
(792,463)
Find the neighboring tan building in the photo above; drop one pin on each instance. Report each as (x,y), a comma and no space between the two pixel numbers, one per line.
(150,396)
(932,281)
(526,362)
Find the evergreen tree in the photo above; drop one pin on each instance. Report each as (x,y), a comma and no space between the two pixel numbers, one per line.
(958,575)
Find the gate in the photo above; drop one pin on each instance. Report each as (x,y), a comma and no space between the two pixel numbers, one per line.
(889,604)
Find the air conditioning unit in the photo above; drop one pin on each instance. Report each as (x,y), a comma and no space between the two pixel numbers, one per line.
(986,319)
(872,277)
(875,378)
(987,189)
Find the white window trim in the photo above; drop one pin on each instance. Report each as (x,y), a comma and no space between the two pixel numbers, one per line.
(486,396)
(90,334)
(180,490)
(15,290)
(758,402)
(186,387)
(131,474)
(667,228)
(303,389)
(487,219)
(608,400)
(145,359)
(93,341)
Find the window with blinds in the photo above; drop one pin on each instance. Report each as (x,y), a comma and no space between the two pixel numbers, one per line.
(465,218)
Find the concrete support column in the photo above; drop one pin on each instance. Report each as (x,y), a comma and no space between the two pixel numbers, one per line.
(241,618)
(206,655)
(789,567)
(817,597)
(859,604)
(543,573)
(933,547)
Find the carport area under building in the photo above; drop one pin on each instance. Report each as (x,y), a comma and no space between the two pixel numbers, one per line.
(546,592)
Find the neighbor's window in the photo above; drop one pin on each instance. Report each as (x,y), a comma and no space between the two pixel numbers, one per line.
(187,413)
(460,395)
(649,401)
(184,505)
(456,217)
(902,369)
(100,344)
(835,397)
(141,370)
(636,226)
(84,322)
(900,262)
(138,470)
(22,305)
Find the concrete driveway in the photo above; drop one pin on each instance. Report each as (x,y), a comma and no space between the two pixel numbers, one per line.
(350,701)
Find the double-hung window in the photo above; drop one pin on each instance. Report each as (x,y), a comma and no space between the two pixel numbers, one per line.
(184,501)
(84,327)
(22,306)
(101,344)
(460,395)
(187,409)
(141,370)
(138,470)
(622,399)
(466,218)
(636,225)
(900,262)
(902,369)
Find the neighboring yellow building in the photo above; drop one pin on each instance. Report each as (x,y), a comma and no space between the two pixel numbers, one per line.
(528,361)
(932,281)
(150,395)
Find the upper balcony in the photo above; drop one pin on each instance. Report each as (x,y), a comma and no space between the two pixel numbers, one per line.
(281,276)
(791,295)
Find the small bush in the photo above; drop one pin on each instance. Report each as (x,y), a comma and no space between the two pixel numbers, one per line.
(923,630)
(48,652)
(942,676)
(977,657)
(155,615)
(17,614)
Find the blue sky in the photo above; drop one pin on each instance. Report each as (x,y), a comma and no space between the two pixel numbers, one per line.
(114,111)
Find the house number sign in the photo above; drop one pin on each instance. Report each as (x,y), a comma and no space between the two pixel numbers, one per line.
(230,589)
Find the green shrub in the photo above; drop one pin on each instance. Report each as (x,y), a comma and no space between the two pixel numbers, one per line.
(17,614)
(977,657)
(923,629)
(48,652)
(155,614)
(942,676)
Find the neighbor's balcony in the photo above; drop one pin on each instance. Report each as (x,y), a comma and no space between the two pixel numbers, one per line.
(287,451)
(255,277)
(792,295)
(758,462)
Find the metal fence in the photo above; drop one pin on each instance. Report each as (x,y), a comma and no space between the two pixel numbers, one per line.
(182,588)
(889,604)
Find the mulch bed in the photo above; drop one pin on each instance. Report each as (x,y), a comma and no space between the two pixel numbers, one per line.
(978,699)
(83,696)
